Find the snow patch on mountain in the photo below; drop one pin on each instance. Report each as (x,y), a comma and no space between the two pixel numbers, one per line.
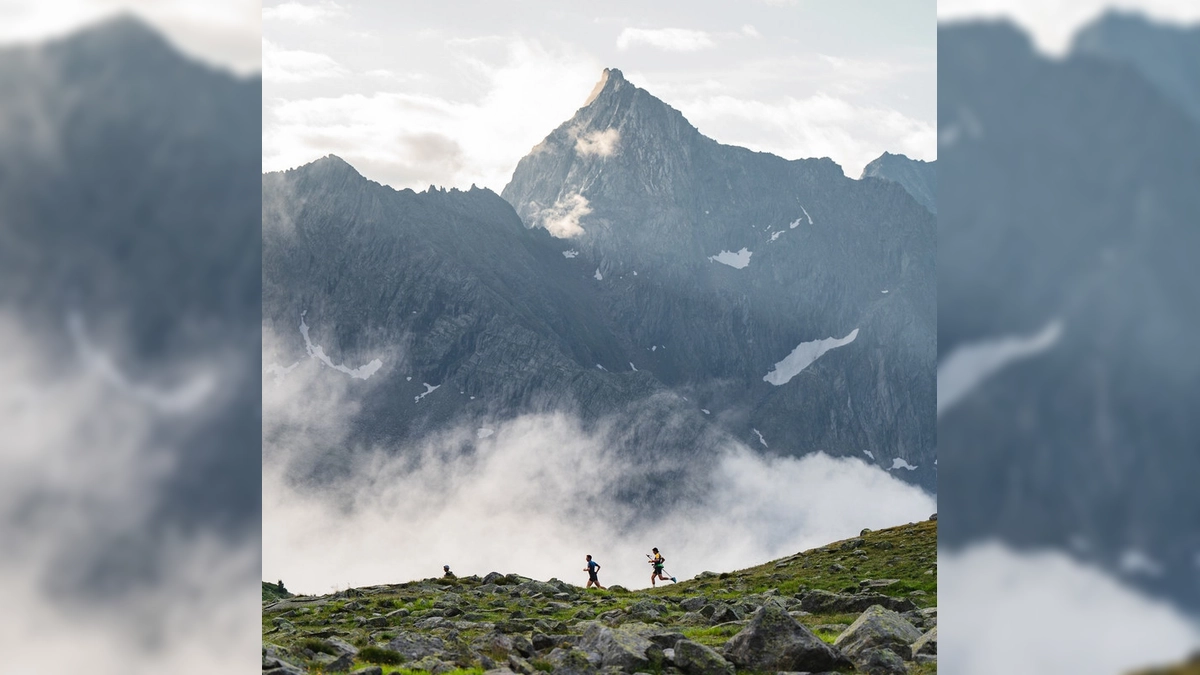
(760,438)
(968,366)
(738,260)
(429,389)
(899,463)
(803,356)
(570,254)
(315,351)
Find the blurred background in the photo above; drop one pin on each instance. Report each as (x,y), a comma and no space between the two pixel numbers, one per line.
(1068,298)
(1069,381)
(129,335)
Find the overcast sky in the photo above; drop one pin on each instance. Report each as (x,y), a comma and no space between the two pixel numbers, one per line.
(415,94)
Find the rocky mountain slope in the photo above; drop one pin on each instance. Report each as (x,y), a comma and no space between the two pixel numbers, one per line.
(711,292)
(1067,289)
(867,603)
(916,176)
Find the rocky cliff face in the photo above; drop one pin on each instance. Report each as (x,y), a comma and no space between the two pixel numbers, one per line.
(916,176)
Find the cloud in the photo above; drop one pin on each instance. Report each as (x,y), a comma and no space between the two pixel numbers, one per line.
(390,136)
(294,65)
(666,39)
(299,12)
(820,125)
(562,219)
(82,568)
(534,495)
(1066,616)
(750,31)
(600,143)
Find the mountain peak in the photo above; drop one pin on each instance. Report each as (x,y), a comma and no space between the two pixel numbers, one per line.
(611,80)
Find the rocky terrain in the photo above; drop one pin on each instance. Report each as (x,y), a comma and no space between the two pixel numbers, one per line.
(866,604)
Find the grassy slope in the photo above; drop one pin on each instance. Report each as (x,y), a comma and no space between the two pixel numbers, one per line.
(907,553)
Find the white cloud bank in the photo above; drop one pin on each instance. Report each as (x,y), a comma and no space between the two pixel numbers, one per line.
(1043,613)
(294,65)
(534,496)
(412,140)
(302,12)
(666,39)
(81,449)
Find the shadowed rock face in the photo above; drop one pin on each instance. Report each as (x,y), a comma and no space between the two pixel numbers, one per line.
(1068,198)
(918,177)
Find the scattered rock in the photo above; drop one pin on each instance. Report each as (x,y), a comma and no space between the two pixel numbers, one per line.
(572,661)
(774,641)
(877,628)
(926,644)
(369,670)
(621,648)
(694,658)
(823,602)
(880,662)
(414,646)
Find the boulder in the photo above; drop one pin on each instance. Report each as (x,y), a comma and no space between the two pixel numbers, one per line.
(414,646)
(621,648)
(823,602)
(880,662)
(273,662)
(774,641)
(926,644)
(666,640)
(724,614)
(369,670)
(878,628)
(693,604)
(694,658)
(572,661)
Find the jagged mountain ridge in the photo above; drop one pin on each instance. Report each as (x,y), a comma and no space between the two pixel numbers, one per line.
(917,176)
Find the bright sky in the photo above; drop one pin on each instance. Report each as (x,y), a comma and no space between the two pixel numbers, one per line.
(220,32)
(439,93)
(1052,23)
